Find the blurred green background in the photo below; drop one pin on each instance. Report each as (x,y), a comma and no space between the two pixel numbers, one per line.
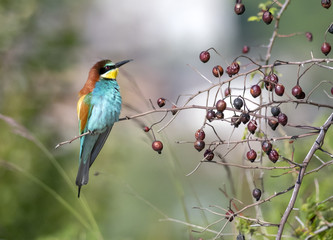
(46,50)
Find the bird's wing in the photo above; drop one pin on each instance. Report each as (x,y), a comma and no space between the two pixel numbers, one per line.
(91,144)
(84,108)
(99,144)
(87,142)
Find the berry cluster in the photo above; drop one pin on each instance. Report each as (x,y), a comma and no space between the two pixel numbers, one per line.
(259,107)
(269,82)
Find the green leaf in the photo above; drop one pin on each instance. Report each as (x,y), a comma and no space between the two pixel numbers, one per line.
(244,134)
(262,6)
(273,10)
(253,74)
(322,207)
(253,18)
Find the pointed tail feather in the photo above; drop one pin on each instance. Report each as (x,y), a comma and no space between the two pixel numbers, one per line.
(91,145)
(82,177)
(78,193)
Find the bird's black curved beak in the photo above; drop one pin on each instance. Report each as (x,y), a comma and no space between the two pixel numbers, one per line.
(118,64)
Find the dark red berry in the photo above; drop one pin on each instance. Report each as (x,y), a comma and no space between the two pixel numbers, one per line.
(228,71)
(219,115)
(200,134)
(245,49)
(217,71)
(256,193)
(255,90)
(279,89)
(273,155)
(282,119)
(326,3)
(270,81)
(302,96)
(204,56)
(234,68)
(266,146)
(252,126)
(238,103)
(199,145)
(309,36)
(275,111)
(239,8)
(273,78)
(296,91)
(267,17)
(326,48)
(229,215)
(332,90)
(268,85)
(244,118)
(235,120)
(221,105)
(157,146)
(161,102)
(146,129)
(209,155)
(227,92)
(273,124)
(210,115)
(251,155)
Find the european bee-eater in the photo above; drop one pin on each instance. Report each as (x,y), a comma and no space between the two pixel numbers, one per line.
(98,109)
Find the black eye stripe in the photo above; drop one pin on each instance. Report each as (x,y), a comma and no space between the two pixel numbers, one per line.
(106,68)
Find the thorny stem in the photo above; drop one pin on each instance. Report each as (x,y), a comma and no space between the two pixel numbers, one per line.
(275,33)
(316,145)
(259,139)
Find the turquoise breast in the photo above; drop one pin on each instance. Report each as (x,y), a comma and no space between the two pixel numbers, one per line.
(106,102)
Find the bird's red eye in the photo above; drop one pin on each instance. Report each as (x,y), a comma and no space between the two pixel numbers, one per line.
(107,68)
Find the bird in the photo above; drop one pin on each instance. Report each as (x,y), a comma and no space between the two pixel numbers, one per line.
(98,108)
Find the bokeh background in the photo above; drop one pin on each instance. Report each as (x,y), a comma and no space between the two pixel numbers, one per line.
(46,50)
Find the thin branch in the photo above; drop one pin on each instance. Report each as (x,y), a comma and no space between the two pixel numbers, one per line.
(197,71)
(73,139)
(189,224)
(252,167)
(260,222)
(320,230)
(290,35)
(320,167)
(273,139)
(265,200)
(316,145)
(275,33)
(326,200)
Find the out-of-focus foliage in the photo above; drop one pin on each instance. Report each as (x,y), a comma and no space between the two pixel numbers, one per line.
(317,216)
(37,45)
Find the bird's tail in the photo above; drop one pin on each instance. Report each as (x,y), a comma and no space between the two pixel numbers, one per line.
(82,177)
(78,193)
(91,145)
